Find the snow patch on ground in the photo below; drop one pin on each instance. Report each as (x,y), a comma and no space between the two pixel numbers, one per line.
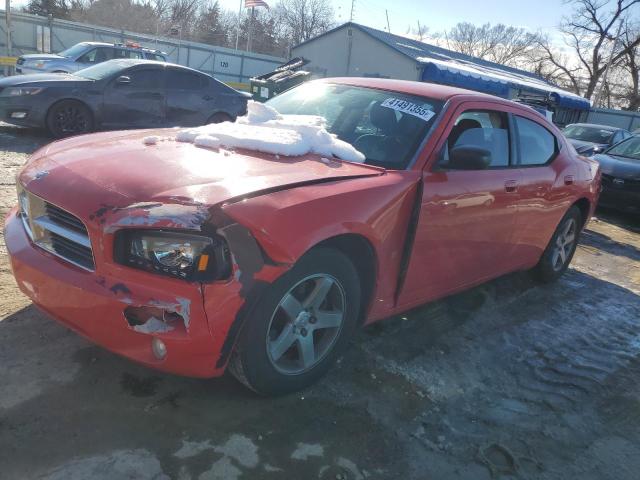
(151,140)
(263,129)
(121,464)
(306,450)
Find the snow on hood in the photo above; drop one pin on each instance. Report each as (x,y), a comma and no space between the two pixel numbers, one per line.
(263,129)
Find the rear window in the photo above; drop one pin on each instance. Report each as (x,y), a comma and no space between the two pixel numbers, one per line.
(588,133)
(184,80)
(537,144)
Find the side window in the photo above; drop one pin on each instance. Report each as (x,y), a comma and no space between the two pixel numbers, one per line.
(537,144)
(97,55)
(184,80)
(148,78)
(482,131)
(124,53)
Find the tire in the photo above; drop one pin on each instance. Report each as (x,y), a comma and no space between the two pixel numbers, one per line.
(69,117)
(553,264)
(263,361)
(219,118)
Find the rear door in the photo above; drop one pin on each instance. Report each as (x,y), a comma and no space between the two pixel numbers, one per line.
(138,103)
(465,231)
(188,97)
(546,186)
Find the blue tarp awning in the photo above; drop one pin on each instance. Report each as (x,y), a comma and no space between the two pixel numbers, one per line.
(476,77)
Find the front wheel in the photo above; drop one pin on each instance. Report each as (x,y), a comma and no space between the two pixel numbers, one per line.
(300,326)
(69,117)
(557,256)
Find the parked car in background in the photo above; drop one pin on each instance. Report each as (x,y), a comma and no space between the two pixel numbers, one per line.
(118,94)
(589,138)
(83,55)
(620,167)
(268,254)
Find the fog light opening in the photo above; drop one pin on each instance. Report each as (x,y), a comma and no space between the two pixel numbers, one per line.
(18,114)
(159,348)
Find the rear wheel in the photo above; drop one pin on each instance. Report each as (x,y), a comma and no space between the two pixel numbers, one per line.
(300,326)
(557,256)
(69,117)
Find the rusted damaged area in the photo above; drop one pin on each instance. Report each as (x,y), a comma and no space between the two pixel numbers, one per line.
(249,260)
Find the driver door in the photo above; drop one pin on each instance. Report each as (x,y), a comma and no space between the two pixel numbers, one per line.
(135,98)
(465,231)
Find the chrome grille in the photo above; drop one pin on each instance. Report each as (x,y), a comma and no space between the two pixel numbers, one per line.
(56,230)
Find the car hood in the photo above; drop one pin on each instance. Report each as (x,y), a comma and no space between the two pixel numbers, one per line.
(114,171)
(40,78)
(581,145)
(619,167)
(43,56)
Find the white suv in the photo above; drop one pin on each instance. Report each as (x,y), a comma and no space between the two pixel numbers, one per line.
(83,55)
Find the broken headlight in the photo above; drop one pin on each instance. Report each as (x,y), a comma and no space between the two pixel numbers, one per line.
(176,254)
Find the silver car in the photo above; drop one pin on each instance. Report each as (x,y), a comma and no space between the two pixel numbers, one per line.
(83,55)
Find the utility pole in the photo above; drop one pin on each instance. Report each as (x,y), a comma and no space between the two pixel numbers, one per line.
(250,34)
(388,27)
(596,100)
(353,7)
(239,20)
(7,13)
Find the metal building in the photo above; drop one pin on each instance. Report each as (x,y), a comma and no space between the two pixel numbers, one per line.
(356,50)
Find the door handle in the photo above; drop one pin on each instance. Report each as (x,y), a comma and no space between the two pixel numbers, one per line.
(511,186)
(568,180)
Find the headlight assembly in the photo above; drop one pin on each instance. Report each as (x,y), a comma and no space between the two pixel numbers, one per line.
(20,91)
(176,254)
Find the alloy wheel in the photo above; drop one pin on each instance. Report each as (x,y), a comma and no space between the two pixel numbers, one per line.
(71,119)
(306,323)
(564,244)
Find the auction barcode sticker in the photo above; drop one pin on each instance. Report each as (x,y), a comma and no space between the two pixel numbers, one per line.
(409,107)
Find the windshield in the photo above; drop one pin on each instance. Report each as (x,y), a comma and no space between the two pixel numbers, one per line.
(73,52)
(588,134)
(103,70)
(387,127)
(629,148)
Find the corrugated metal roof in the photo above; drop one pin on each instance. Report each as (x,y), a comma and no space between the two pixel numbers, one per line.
(419,50)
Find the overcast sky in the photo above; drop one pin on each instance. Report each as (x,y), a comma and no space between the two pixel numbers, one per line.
(438,14)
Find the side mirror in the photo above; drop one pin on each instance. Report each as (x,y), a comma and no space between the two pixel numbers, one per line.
(469,158)
(123,80)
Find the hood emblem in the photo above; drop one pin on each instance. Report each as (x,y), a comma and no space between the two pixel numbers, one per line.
(41,174)
(618,181)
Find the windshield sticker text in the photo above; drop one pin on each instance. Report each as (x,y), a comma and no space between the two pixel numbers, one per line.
(409,108)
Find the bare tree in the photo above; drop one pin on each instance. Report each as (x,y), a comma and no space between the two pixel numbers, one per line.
(590,34)
(304,19)
(631,64)
(498,43)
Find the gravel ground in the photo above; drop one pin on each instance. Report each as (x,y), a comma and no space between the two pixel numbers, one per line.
(510,380)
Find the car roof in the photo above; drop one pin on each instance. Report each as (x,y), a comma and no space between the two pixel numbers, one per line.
(131,62)
(431,90)
(122,45)
(596,125)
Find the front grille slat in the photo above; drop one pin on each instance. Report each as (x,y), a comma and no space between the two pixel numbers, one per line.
(60,216)
(56,230)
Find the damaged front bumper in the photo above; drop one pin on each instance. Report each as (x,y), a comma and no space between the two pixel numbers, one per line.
(125,310)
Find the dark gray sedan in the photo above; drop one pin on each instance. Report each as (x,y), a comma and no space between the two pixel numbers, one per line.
(118,94)
(590,138)
(620,167)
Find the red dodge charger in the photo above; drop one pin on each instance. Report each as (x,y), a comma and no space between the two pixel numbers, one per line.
(263,245)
